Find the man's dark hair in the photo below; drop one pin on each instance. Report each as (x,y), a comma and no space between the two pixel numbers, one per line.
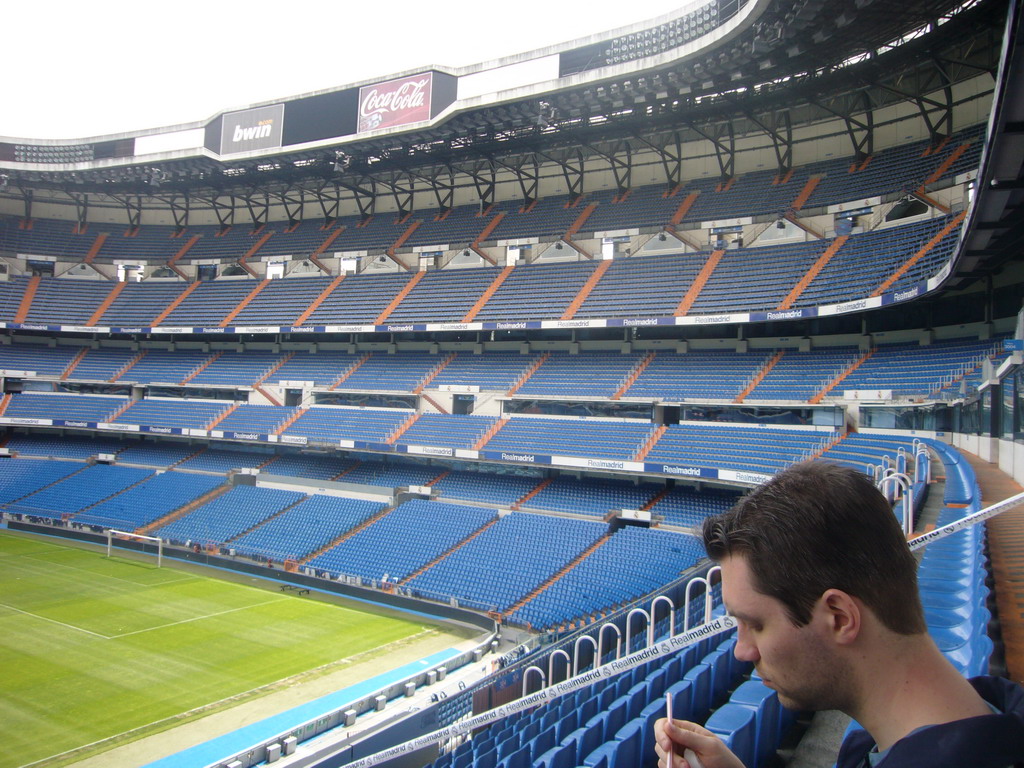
(819,526)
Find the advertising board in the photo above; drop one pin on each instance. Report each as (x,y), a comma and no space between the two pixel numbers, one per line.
(393,103)
(251,129)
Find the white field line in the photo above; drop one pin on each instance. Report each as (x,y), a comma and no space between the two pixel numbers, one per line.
(140,631)
(214,704)
(197,618)
(98,575)
(54,621)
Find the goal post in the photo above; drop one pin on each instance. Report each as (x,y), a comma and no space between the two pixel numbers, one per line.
(127,535)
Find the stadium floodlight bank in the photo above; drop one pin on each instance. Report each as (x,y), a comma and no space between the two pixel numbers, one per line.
(127,535)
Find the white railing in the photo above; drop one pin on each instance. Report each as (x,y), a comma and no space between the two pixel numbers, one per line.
(893,481)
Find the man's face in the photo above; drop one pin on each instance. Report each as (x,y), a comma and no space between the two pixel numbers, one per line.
(798,662)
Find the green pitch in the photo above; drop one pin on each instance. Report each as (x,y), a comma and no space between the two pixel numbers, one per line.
(92,647)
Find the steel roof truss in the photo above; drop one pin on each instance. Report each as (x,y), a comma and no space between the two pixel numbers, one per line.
(259,209)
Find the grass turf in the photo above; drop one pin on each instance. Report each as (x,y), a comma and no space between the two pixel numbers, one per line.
(92,647)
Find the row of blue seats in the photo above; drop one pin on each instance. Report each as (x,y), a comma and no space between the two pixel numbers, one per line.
(717,375)
(753,278)
(892,170)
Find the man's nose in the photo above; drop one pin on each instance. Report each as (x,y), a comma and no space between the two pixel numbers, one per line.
(745,649)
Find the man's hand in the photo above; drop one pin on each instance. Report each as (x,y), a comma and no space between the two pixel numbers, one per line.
(709,749)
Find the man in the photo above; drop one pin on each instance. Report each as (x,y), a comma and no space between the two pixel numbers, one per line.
(819,577)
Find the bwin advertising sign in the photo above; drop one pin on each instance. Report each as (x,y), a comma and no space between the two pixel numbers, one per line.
(259,128)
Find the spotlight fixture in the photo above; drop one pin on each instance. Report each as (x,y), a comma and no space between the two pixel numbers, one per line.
(156,177)
(342,160)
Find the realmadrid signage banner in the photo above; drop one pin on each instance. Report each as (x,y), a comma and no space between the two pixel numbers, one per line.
(259,128)
(394,103)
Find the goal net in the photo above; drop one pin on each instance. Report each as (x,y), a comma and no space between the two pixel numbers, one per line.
(151,544)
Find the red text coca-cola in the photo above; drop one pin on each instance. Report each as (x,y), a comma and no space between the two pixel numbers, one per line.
(396,102)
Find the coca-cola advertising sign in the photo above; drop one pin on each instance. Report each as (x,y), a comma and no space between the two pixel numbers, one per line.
(396,102)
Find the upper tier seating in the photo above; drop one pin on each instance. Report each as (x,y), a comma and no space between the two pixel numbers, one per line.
(100,364)
(391,373)
(311,466)
(643,286)
(633,562)
(687,507)
(801,375)
(865,451)
(695,375)
(358,299)
(42,360)
(759,277)
(159,495)
(329,424)
(537,291)
(758,450)
(375,232)
(82,490)
(262,419)
(20,478)
(155,454)
(45,238)
(894,170)
(711,375)
(891,171)
(548,217)
(500,490)
(160,366)
(492,371)
(223,460)
(447,431)
(234,368)
(140,304)
(913,369)
(404,540)
(389,474)
(439,297)
(461,226)
(181,414)
(282,241)
(649,206)
(55,303)
(505,562)
(88,408)
(756,278)
(597,374)
(304,528)
(64,446)
(618,440)
(324,368)
(867,259)
(228,515)
(592,497)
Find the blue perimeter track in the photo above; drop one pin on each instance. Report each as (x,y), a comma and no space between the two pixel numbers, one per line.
(238,741)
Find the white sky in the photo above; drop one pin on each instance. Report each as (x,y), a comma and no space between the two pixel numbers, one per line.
(80,69)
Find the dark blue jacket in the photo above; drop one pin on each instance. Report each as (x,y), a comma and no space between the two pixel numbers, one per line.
(989,741)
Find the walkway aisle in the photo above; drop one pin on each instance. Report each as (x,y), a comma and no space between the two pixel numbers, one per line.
(1006,551)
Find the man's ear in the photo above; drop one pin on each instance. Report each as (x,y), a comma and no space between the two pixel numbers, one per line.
(842,615)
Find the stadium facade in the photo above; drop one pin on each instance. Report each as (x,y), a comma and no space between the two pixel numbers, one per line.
(585,293)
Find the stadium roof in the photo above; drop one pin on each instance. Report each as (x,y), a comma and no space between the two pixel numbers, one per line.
(714,70)
(995,232)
